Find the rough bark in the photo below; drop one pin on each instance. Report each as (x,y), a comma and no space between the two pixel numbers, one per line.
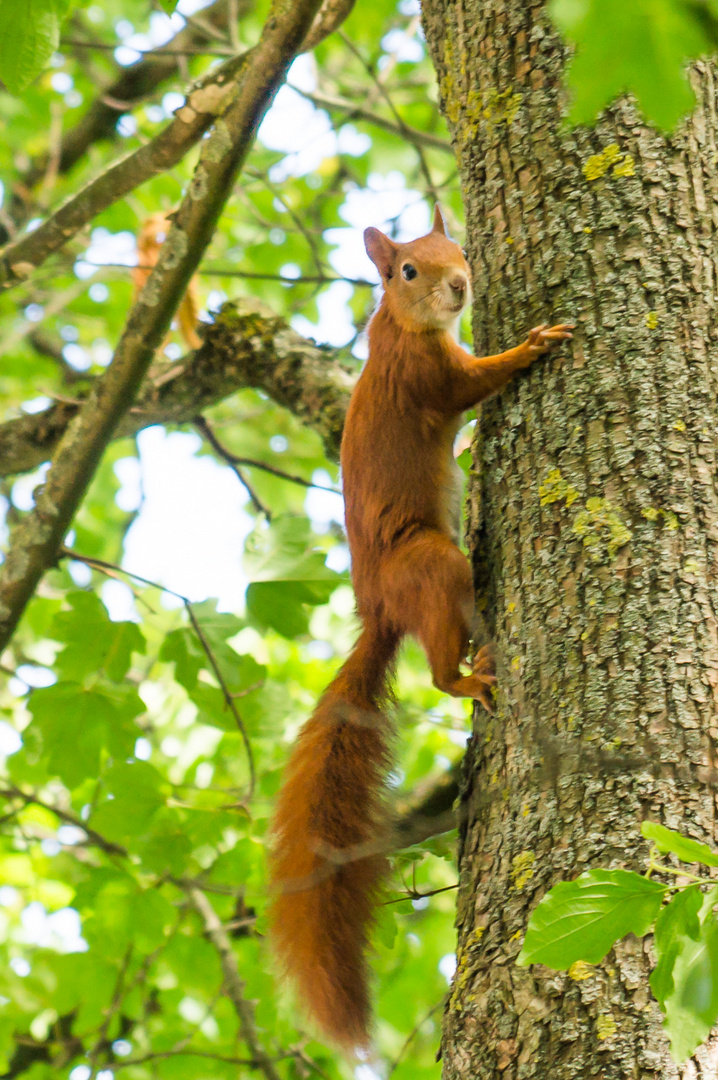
(594,529)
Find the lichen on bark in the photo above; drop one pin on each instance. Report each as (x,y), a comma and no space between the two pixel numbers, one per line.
(604,615)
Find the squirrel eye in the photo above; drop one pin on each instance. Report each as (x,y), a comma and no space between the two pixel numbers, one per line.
(409,272)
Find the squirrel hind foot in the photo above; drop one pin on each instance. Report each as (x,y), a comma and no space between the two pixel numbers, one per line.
(479,688)
(479,684)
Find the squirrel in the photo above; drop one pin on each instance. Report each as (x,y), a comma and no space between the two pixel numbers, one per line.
(402,496)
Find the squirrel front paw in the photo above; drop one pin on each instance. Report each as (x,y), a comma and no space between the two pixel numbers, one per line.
(544,337)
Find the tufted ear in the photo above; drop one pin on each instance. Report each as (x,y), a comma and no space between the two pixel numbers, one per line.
(439,223)
(381,250)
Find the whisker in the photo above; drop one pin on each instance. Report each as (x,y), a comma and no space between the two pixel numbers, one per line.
(420,299)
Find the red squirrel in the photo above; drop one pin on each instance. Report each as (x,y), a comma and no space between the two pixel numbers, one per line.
(403,504)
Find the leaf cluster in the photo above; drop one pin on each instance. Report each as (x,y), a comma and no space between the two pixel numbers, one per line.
(578,922)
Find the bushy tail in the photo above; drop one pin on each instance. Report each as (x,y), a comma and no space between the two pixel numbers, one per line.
(326,863)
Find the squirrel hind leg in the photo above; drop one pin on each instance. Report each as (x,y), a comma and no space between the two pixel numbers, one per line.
(428,590)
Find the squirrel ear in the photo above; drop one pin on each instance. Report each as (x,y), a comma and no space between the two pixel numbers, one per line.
(439,223)
(381,250)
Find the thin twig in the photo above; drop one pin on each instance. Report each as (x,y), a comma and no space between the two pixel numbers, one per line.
(186,883)
(310,279)
(233,459)
(423,164)
(229,700)
(111,569)
(412,895)
(301,227)
(215,50)
(356,111)
(53,159)
(204,429)
(252,275)
(158,1055)
(412,1035)
(54,306)
(108,846)
(233,24)
(233,983)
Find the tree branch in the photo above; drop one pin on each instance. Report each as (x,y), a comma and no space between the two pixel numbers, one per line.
(205,101)
(130,85)
(427,810)
(247,346)
(331,15)
(360,112)
(234,985)
(108,846)
(19,258)
(37,539)
(234,459)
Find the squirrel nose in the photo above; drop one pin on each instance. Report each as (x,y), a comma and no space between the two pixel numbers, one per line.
(458,283)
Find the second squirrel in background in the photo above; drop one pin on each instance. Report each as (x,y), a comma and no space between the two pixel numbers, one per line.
(402,492)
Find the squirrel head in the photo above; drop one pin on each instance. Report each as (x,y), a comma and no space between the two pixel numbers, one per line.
(427,282)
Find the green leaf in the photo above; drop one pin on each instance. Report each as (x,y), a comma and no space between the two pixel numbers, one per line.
(464,461)
(164,847)
(75,725)
(640,47)
(82,978)
(151,915)
(284,552)
(264,710)
(282,605)
(691,1007)
(213,707)
(668,840)
(676,922)
(287,576)
(385,927)
(93,642)
(133,792)
(30,35)
(183,648)
(581,919)
(121,912)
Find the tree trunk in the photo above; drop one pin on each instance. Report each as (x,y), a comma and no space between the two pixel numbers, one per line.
(594,530)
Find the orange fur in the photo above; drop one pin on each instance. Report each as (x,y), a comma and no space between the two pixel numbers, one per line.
(402,501)
(149,241)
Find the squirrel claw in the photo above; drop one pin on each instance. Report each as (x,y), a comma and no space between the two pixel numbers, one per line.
(544,337)
(484,663)
(483,677)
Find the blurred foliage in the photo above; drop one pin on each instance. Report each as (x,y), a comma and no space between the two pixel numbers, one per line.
(642,47)
(125,777)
